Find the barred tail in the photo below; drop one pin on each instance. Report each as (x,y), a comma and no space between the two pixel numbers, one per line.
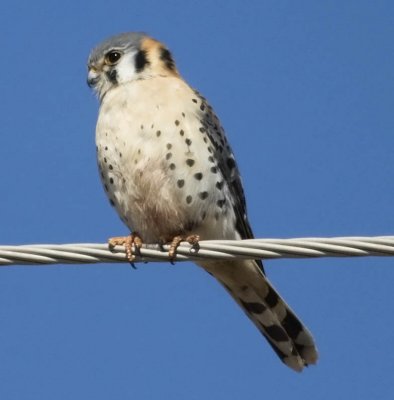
(249,287)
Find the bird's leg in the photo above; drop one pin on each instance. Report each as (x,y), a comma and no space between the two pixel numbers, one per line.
(127,242)
(176,241)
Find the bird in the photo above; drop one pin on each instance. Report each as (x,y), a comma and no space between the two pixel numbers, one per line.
(170,172)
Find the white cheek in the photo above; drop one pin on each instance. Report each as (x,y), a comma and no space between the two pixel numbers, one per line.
(126,68)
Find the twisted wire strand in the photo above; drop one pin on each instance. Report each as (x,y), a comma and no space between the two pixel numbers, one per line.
(90,253)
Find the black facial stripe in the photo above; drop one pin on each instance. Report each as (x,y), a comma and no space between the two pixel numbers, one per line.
(112,75)
(166,57)
(141,61)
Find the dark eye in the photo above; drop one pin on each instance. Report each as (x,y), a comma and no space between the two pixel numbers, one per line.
(113,57)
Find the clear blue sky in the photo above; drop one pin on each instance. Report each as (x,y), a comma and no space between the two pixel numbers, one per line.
(305,91)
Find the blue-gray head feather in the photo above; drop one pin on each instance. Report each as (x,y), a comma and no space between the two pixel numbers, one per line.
(123,41)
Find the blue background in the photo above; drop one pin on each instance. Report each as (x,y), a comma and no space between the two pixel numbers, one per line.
(305,92)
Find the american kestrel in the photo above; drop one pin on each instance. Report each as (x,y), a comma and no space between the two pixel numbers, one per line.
(169,171)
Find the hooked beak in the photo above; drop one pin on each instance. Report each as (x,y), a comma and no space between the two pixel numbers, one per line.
(93,77)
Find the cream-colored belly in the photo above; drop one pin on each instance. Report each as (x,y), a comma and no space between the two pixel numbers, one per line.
(151,160)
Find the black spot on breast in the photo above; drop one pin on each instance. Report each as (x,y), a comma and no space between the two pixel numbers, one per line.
(141,61)
(210,159)
(221,203)
(110,166)
(202,130)
(168,156)
(214,170)
(188,142)
(189,199)
(203,195)
(194,101)
(219,185)
(180,183)
(111,181)
(112,202)
(166,57)
(176,122)
(181,132)
(158,133)
(198,176)
(172,166)
(190,162)
(169,145)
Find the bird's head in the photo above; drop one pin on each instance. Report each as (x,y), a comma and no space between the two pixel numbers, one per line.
(127,57)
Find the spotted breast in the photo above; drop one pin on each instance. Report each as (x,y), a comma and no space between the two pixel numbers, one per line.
(157,166)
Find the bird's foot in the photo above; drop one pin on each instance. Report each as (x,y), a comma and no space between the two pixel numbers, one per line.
(176,241)
(127,242)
